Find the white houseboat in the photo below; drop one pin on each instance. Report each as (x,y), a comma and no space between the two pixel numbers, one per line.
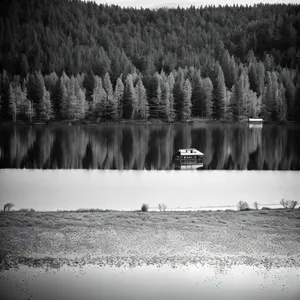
(255,120)
(188,159)
(255,123)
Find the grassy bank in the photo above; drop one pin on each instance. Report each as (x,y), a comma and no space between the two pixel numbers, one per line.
(272,235)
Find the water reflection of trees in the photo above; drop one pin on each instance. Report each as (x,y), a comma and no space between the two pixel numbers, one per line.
(22,141)
(149,146)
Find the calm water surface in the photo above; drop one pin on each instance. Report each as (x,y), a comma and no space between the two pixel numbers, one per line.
(127,190)
(150,282)
(151,147)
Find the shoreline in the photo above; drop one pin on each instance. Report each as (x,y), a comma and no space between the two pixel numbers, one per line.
(150,122)
(155,209)
(139,261)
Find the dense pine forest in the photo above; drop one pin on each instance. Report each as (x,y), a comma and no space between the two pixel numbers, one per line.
(71,60)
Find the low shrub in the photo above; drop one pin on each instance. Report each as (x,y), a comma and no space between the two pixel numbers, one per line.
(256,205)
(24,209)
(91,210)
(8,206)
(162,207)
(144,207)
(293,204)
(265,208)
(243,206)
(288,204)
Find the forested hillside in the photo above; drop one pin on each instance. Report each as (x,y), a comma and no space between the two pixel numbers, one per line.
(63,59)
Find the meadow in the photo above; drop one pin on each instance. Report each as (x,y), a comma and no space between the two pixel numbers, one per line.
(268,237)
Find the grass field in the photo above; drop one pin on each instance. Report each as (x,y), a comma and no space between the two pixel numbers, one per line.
(262,236)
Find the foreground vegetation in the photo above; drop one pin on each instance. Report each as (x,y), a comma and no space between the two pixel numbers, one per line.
(76,60)
(262,236)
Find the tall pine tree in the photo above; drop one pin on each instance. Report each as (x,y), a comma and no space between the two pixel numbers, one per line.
(142,102)
(129,100)
(187,104)
(118,98)
(219,93)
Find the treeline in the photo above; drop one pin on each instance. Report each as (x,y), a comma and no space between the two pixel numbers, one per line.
(180,95)
(76,60)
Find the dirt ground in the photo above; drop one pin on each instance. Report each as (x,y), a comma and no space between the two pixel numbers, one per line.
(264,237)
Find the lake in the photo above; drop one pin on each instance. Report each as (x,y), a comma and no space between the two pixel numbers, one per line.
(112,163)
(127,190)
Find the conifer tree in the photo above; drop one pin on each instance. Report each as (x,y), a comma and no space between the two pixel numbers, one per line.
(274,101)
(56,99)
(72,99)
(243,102)
(253,106)
(99,99)
(81,104)
(165,104)
(219,93)
(129,100)
(24,67)
(206,96)
(267,99)
(35,89)
(46,112)
(4,95)
(142,103)
(178,93)
(197,100)
(186,105)
(154,95)
(248,95)
(118,98)
(23,102)
(232,72)
(297,101)
(260,69)
(50,82)
(13,107)
(29,110)
(288,82)
(282,109)
(253,76)
(228,67)
(171,81)
(111,109)
(89,84)
(63,106)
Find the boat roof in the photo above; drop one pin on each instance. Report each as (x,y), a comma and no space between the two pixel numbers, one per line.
(189,151)
(255,120)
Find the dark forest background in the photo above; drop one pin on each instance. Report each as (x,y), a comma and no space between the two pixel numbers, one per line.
(63,59)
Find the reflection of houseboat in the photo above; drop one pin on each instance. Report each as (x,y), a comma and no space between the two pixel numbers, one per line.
(255,125)
(188,159)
